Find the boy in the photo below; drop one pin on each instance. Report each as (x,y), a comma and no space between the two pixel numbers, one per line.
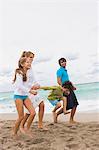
(55,97)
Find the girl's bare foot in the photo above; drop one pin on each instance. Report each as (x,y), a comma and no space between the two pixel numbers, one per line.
(28,133)
(15,136)
(22,130)
(73,122)
(40,126)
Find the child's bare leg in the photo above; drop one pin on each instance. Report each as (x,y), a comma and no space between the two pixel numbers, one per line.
(57,114)
(31,109)
(64,105)
(57,106)
(20,110)
(41,114)
(22,129)
(54,111)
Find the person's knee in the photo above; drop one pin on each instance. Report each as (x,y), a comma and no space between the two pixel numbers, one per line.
(33,113)
(27,115)
(59,104)
(21,117)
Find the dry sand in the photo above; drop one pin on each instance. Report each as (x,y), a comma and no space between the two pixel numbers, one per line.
(60,136)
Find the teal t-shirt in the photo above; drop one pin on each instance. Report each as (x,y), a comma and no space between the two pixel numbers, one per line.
(62,73)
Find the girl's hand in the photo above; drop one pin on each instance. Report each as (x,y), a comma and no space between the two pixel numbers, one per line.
(35,87)
(74,88)
(63,89)
(33,92)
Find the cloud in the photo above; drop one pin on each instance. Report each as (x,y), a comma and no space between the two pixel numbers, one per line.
(72,57)
(6,84)
(56,30)
(69,54)
(5,71)
(96,64)
(42,60)
(94,71)
(94,67)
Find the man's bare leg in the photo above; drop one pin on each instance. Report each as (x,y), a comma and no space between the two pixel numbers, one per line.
(72,115)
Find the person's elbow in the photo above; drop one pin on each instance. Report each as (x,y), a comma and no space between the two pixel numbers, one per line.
(59,81)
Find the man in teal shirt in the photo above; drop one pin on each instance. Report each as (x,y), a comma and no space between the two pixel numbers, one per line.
(62,77)
(62,74)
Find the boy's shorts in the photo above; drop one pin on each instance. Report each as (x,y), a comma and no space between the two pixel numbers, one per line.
(36,100)
(54,102)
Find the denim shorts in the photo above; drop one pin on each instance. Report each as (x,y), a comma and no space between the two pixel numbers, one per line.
(20,97)
(54,102)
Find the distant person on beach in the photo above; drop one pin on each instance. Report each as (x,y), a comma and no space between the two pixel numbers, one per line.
(63,78)
(21,95)
(37,100)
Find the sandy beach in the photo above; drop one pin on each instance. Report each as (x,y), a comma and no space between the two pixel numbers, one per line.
(58,136)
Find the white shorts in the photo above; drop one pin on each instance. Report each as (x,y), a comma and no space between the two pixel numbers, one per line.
(36,100)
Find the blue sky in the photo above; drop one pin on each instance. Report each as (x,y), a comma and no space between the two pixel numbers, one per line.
(50,29)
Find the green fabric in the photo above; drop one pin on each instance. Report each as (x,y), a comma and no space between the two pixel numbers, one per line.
(55,94)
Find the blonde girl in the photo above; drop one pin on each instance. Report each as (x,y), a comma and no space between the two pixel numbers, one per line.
(21,95)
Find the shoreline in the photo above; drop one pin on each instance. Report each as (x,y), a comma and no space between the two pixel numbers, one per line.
(48,117)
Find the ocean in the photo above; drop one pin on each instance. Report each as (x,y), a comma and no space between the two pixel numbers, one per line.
(87,95)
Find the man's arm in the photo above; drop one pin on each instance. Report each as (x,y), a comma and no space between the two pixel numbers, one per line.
(60,83)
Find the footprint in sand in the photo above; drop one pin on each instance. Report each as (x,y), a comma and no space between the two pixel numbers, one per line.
(51,124)
(40,140)
(72,146)
(35,141)
(70,139)
(77,146)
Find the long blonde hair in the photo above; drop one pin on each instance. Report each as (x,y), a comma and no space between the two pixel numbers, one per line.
(20,69)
